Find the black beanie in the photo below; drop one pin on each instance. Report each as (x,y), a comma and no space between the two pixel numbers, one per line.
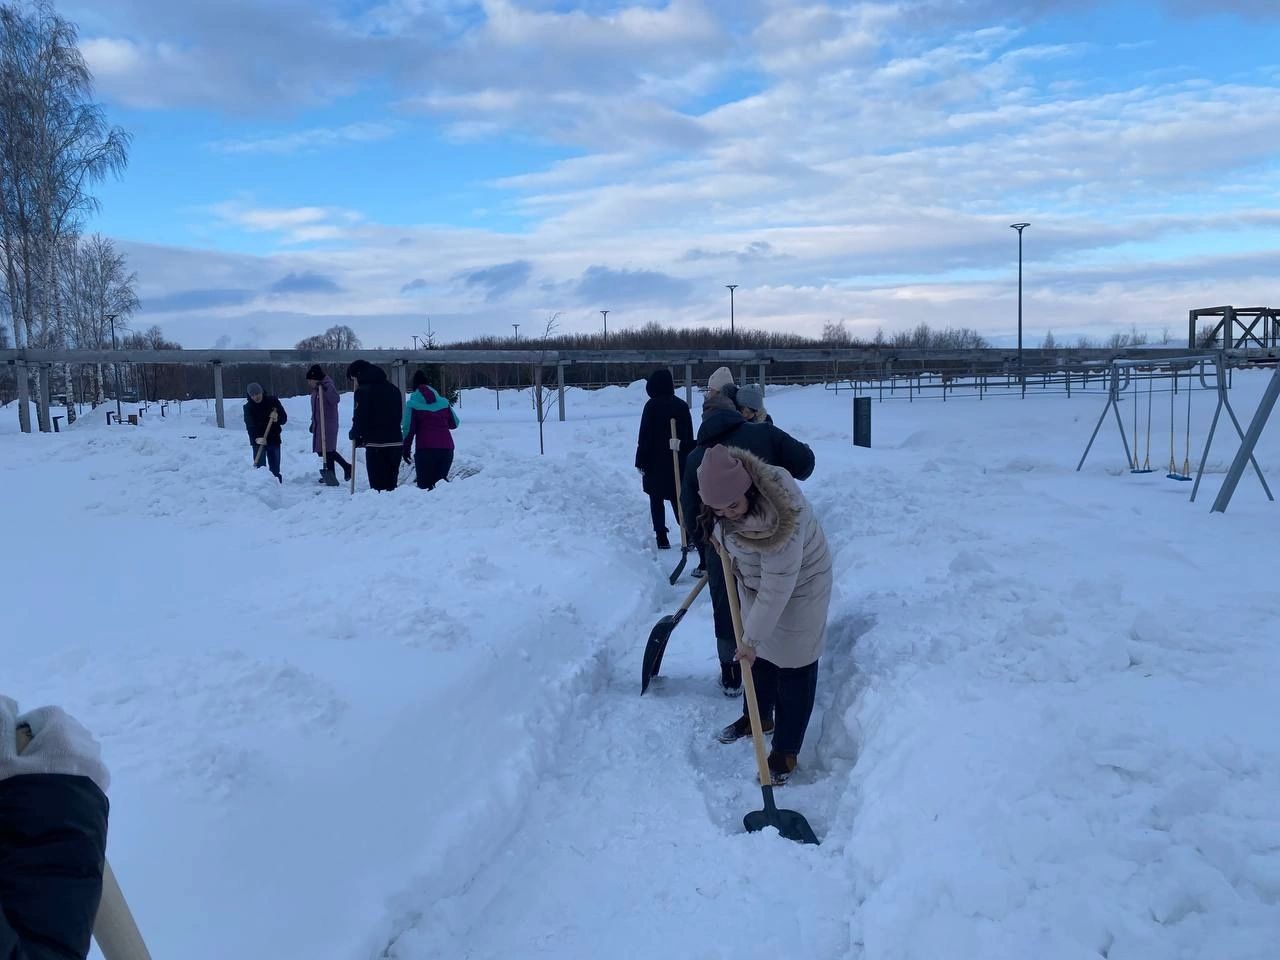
(419,378)
(357,369)
(315,373)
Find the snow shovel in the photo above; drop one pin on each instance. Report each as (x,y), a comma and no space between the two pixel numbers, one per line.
(114,927)
(354,386)
(262,440)
(661,633)
(789,823)
(684,537)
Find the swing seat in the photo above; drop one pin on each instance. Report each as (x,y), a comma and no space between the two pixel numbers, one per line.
(1136,470)
(1177,476)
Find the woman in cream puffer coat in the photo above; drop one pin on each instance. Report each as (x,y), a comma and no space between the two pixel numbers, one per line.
(783,569)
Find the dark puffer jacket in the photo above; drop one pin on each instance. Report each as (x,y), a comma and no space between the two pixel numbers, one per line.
(771,444)
(53,834)
(257,417)
(376,420)
(653,449)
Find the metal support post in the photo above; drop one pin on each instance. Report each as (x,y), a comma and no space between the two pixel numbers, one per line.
(760,378)
(688,384)
(42,398)
(560,388)
(24,396)
(1245,454)
(1113,403)
(217,396)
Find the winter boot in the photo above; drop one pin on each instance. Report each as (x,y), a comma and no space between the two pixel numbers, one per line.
(781,766)
(742,728)
(330,479)
(663,542)
(731,678)
(699,572)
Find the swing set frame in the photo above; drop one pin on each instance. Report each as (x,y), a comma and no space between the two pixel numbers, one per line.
(1121,378)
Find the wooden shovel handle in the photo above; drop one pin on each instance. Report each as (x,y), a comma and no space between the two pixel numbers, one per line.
(675,463)
(693,594)
(753,708)
(114,927)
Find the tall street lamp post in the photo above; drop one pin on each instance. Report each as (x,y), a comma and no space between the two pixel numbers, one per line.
(733,339)
(605,315)
(112,318)
(1022,376)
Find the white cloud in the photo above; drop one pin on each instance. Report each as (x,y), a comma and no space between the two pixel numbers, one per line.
(316,138)
(875,150)
(293,225)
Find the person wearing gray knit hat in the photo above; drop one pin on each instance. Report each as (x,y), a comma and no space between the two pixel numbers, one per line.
(750,403)
(264,415)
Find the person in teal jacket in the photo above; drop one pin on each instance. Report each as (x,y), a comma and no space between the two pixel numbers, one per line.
(430,420)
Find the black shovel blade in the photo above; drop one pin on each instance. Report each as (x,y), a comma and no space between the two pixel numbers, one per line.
(789,823)
(656,647)
(675,574)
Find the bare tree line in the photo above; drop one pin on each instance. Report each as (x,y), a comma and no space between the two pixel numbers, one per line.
(58,287)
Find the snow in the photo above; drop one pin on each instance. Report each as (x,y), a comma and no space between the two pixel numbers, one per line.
(408,726)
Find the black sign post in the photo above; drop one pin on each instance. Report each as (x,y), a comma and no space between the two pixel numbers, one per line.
(862,421)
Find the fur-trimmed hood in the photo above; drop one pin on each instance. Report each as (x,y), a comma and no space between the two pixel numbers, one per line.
(774,519)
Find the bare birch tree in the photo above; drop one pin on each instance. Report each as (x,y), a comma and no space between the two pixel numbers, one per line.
(55,142)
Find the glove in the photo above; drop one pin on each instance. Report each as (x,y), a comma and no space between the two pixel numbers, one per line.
(59,744)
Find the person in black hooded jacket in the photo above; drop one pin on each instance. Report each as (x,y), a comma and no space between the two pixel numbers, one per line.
(653,448)
(723,424)
(375,423)
(53,834)
(258,410)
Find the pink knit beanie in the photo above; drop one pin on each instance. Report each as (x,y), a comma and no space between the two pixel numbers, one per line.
(722,478)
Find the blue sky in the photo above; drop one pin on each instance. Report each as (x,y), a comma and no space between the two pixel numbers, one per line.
(497,162)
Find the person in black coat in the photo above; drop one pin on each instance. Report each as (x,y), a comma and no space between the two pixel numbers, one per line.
(774,446)
(53,834)
(375,423)
(653,448)
(257,420)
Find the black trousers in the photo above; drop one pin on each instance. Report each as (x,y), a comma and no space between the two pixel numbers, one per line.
(332,457)
(383,464)
(431,466)
(788,694)
(658,511)
(725,643)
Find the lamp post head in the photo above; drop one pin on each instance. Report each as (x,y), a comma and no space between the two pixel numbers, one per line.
(1019,226)
(732,287)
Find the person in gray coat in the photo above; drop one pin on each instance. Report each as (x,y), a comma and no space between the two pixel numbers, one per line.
(782,566)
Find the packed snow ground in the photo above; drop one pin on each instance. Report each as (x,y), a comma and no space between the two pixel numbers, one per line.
(408,726)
